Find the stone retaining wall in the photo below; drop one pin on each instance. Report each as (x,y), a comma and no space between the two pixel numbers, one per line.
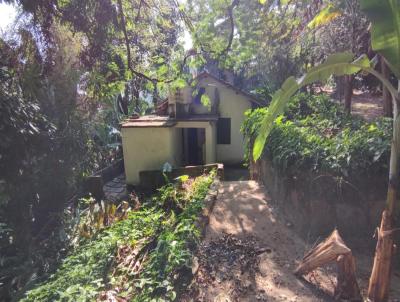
(316,204)
(94,183)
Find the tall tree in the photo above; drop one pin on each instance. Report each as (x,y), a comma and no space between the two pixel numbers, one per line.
(340,26)
(136,42)
(260,32)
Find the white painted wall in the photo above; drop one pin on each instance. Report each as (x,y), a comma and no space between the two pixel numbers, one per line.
(232,105)
(149,149)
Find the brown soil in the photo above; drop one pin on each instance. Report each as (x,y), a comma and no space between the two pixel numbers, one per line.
(249,254)
(366,105)
(363,103)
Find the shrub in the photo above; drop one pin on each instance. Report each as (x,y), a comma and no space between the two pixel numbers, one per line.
(92,267)
(316,135)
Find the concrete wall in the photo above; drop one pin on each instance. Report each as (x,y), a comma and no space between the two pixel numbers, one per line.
(149,149)
(316,204)
(232,105)
(177,146)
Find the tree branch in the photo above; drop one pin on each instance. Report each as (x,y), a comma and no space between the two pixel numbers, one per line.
(128,48)
(188,23)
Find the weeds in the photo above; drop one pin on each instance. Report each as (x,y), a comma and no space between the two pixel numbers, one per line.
(137,257)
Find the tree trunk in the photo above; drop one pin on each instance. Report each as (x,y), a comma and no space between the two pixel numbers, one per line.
(334,249)
(379,282)
(338,94)
(387,99)
(348,92)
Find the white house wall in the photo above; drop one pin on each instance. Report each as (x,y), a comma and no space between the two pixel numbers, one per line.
(232,105)
(149,149)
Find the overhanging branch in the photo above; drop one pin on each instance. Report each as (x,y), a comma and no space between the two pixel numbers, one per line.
(189,25)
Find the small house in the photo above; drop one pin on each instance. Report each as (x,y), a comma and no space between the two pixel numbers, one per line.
(186,130)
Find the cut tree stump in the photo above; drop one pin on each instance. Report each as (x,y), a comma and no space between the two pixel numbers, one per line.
(334,249)
(379,281)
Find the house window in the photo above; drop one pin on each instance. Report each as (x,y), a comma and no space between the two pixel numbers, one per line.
(224,131)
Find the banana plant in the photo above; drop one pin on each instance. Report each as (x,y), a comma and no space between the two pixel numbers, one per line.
(385,39)
(337,64)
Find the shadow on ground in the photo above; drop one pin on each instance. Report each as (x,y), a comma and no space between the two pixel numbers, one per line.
(250,252)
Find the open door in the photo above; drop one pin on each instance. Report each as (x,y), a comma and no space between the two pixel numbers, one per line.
(195,142)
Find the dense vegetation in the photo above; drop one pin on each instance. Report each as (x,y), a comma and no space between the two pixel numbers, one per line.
(315,134)
(71,70)
(138,255)
(52,136)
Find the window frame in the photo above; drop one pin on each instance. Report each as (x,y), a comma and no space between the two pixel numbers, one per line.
(223,130)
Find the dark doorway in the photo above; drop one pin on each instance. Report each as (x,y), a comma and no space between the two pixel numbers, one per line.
(195,139)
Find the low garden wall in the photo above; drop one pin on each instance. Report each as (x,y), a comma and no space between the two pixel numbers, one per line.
(151,180)
(316,204)
(94,183)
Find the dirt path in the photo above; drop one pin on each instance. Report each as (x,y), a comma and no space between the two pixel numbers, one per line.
(249,253)
(366,105)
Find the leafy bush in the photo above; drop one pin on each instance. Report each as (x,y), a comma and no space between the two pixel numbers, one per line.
(91,267)
(83,273)
(173,248)
(315,134)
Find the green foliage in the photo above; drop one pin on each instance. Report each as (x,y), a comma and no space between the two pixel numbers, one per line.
(173,249)
(100,215)
(327,14)
(84,272)
(88,269)
(260,33)
(385,30)
(337,64)
(316,135)
(49,142)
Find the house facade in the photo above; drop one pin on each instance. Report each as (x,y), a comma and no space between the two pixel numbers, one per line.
(189,132)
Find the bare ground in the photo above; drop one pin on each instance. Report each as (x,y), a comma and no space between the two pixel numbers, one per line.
(249,254)
(366,105)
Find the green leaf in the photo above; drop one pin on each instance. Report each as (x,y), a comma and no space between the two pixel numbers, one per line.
(385,31)
(337,64)
(278,103)
(178,84)
(183,178)
(205,101)
(326,15)
(162,70)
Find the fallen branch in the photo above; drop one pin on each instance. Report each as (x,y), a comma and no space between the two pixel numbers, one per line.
(334,249)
